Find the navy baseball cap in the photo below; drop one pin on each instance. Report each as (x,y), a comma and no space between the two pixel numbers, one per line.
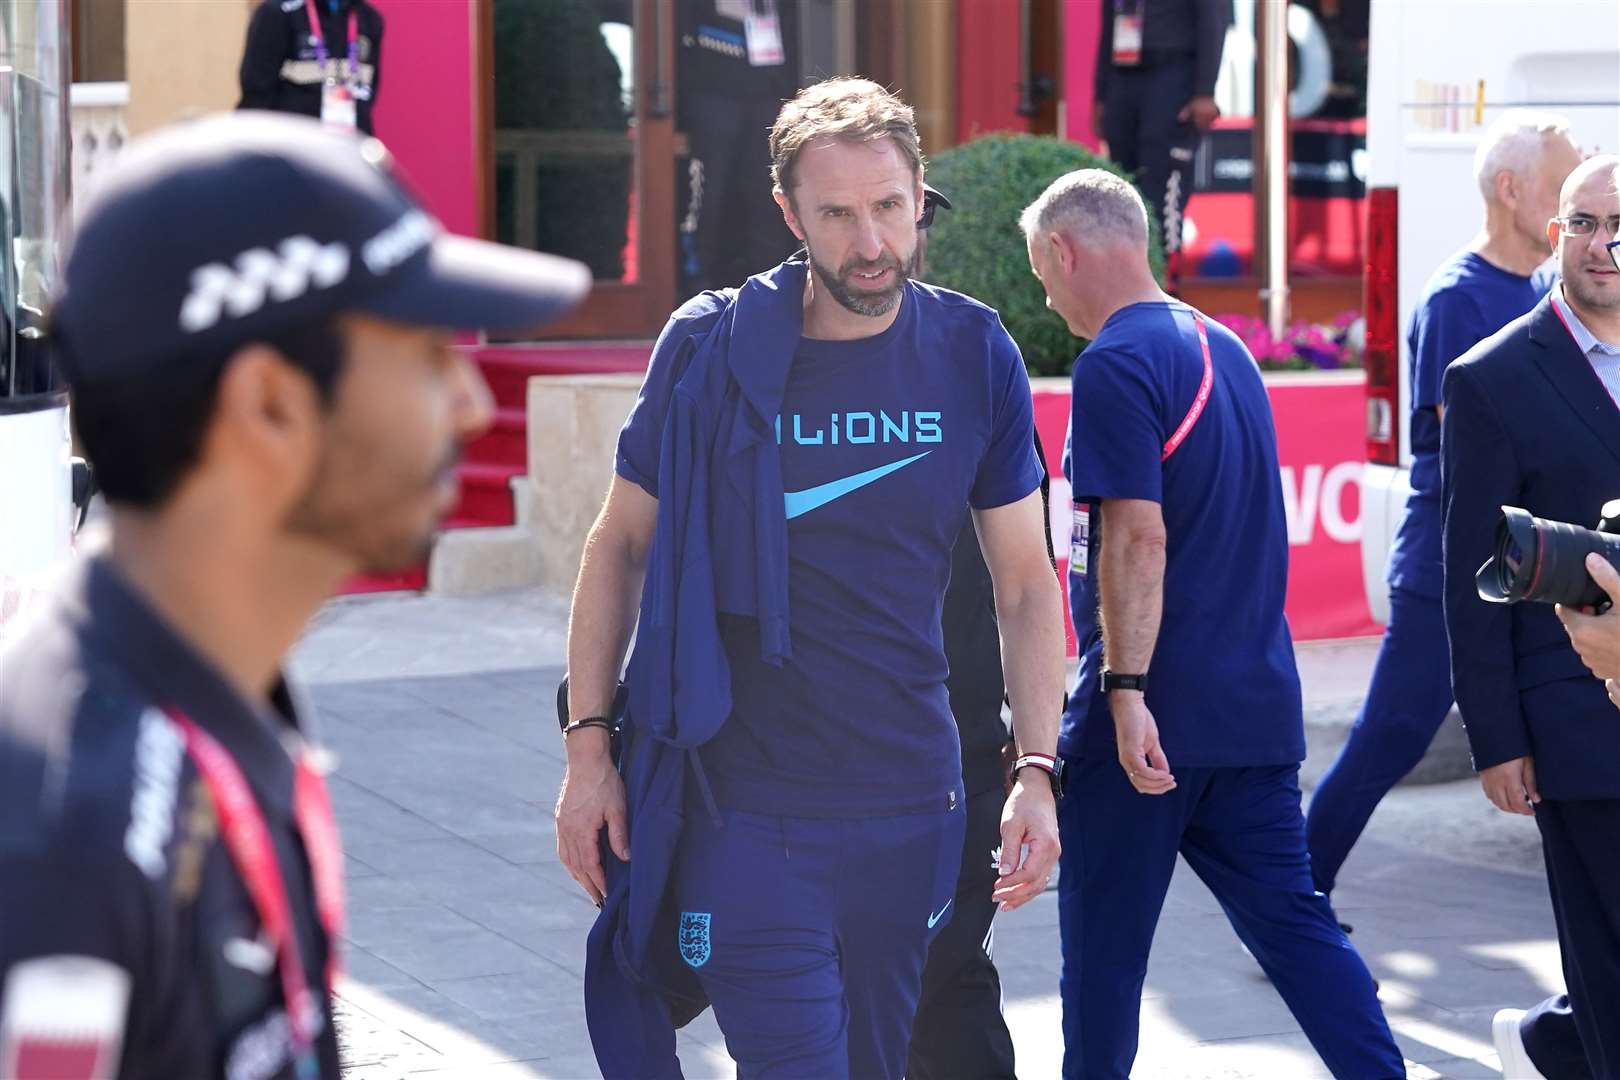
(217,232)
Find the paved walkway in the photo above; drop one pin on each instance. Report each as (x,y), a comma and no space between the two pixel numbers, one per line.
(467,937)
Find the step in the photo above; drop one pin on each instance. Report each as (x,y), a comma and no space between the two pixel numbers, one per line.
(508,368)
(486,493)
(505,443)
(412,580)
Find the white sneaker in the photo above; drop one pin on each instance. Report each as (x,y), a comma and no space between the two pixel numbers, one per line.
(1516,1064)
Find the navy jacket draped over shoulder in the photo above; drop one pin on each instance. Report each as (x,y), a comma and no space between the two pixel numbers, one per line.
(720,545)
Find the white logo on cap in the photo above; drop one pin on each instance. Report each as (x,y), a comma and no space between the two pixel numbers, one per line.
(298,265)
(398,242)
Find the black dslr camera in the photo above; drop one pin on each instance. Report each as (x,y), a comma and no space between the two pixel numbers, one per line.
(1545,561)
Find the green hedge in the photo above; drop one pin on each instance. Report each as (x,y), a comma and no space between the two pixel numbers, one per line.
(977,248)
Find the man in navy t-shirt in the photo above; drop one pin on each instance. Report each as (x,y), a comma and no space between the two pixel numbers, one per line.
(1520,166)
(1184,732)
(809,892)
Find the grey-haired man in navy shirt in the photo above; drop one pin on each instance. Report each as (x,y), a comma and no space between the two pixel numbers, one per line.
(1184,732)
(1519,167)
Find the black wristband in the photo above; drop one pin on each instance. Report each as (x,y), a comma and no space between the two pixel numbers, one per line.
(590,721)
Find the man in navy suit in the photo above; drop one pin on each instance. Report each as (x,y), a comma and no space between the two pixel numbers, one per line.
(1531,420)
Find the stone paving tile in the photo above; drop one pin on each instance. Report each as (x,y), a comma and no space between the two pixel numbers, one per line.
(430,943)
(467,937)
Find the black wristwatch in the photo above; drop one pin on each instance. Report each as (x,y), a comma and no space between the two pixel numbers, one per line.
(1113,680)
(1051,766)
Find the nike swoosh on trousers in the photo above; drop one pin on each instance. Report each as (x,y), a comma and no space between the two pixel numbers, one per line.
(802,502)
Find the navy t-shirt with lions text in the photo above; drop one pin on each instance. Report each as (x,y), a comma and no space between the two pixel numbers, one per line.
(886,443)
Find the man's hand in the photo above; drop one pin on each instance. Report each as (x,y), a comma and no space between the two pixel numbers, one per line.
(1200,112)
(1136,734)
(1597,637)
(1511,786)
(592,796)
(1029,818)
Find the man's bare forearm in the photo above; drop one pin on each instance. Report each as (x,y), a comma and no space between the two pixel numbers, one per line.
(1131,581)
(600,622)
(1032,658)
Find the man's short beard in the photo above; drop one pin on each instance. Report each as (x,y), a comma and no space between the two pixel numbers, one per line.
(1591,299)
(872,305)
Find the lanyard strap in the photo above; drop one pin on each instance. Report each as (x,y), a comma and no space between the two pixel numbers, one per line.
(318,37)
(1201,400)
(247,838)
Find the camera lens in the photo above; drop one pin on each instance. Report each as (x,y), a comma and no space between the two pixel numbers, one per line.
(1545,561)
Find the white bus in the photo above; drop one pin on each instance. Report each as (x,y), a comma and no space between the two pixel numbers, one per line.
(1439,72)
(36,465)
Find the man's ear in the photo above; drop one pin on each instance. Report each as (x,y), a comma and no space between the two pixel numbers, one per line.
(917,197)
(785,201)
(267,410)
(1067,253)
(1555,230)
(1509,189)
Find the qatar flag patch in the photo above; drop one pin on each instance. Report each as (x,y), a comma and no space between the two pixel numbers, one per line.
(62,1018)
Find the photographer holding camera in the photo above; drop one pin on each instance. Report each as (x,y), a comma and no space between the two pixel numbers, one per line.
(1597,637)
(1530,420)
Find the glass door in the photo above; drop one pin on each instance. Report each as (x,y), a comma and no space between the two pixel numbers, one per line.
(583,150)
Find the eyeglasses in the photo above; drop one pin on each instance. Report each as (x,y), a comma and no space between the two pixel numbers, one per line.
(1586,224)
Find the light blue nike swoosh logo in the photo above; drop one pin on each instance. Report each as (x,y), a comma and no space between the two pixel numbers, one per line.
(940,914)
(802,502)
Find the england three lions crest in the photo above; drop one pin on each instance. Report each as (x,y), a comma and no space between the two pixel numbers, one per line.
(695,937)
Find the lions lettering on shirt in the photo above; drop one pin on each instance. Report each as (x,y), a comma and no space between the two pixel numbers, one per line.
(886,443)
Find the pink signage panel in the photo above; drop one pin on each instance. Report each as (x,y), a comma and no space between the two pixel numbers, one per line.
(427,105)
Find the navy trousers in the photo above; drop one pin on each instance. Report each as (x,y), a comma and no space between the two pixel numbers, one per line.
(1406,703)
(1578,840)
(1241,831)
(809,935)
(960,1032)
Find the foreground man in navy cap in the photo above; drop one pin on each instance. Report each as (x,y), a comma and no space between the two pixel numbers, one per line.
(272,402)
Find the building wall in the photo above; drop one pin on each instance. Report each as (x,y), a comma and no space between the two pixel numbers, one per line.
(182,57)
(427,106)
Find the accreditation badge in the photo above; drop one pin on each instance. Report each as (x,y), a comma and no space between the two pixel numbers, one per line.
(338,107)
(764,35)
(1080,540)
(1127,37)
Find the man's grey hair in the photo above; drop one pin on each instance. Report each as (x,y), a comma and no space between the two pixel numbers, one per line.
(1092,206)
(1514,143)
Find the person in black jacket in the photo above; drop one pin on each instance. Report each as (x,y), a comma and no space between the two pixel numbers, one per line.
(1157,61)
(332,73)
(737,61)
(272,402)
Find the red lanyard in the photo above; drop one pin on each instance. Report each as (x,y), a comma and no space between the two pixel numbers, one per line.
(247,838)
(1203,393)
(319,38)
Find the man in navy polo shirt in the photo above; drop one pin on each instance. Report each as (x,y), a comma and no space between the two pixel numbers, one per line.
(1184,733)
(821,839)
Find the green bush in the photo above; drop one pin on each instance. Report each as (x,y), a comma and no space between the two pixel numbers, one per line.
(977,248)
